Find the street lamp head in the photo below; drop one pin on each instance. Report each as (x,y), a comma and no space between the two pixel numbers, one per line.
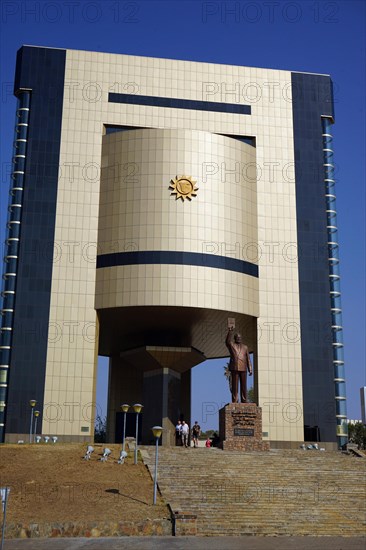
(157,431)
(125,407)
(123,455)
(33,403)
(36,414)
(106,453)
(89,451)
(137,407)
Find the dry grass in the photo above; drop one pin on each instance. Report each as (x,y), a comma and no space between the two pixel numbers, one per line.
(52,483)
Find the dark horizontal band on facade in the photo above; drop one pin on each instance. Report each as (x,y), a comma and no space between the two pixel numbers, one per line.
(176,258)
(173,103)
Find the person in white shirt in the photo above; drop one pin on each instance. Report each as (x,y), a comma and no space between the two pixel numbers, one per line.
(185,434)
(178,434)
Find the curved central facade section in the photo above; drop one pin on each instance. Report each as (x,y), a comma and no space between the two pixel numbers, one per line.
(177,224)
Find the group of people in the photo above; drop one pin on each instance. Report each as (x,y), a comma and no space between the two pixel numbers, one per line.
(182,434)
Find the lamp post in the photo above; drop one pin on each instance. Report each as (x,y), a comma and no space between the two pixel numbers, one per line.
(157,431)
(32,403)
(137,408)
(124,408)
(36,415)
(4,494)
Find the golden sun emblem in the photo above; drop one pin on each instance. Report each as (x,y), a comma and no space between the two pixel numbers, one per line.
(184,187)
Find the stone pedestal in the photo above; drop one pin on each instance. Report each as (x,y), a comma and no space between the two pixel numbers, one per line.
(241,428)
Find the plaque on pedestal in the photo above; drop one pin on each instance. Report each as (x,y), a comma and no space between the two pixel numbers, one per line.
(241,428)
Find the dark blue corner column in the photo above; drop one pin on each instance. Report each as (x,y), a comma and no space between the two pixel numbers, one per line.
(12,243)
(334,282)
(39,77)
(312,100)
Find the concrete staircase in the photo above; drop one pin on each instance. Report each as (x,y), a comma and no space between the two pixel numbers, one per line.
(278,492)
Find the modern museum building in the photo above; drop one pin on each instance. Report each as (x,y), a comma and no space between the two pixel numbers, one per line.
(151,200)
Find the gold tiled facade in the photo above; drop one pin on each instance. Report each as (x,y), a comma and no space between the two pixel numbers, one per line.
(143,213)
(234,215)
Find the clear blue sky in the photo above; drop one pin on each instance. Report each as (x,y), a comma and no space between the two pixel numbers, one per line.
(310,36)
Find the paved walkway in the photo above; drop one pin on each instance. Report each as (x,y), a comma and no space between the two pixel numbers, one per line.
(191,543)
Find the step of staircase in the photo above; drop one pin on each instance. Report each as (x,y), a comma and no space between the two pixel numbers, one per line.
(264,493)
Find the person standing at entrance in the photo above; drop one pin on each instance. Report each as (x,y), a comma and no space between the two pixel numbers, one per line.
(239,366)
(196,431)
(185,434)
(178,434)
